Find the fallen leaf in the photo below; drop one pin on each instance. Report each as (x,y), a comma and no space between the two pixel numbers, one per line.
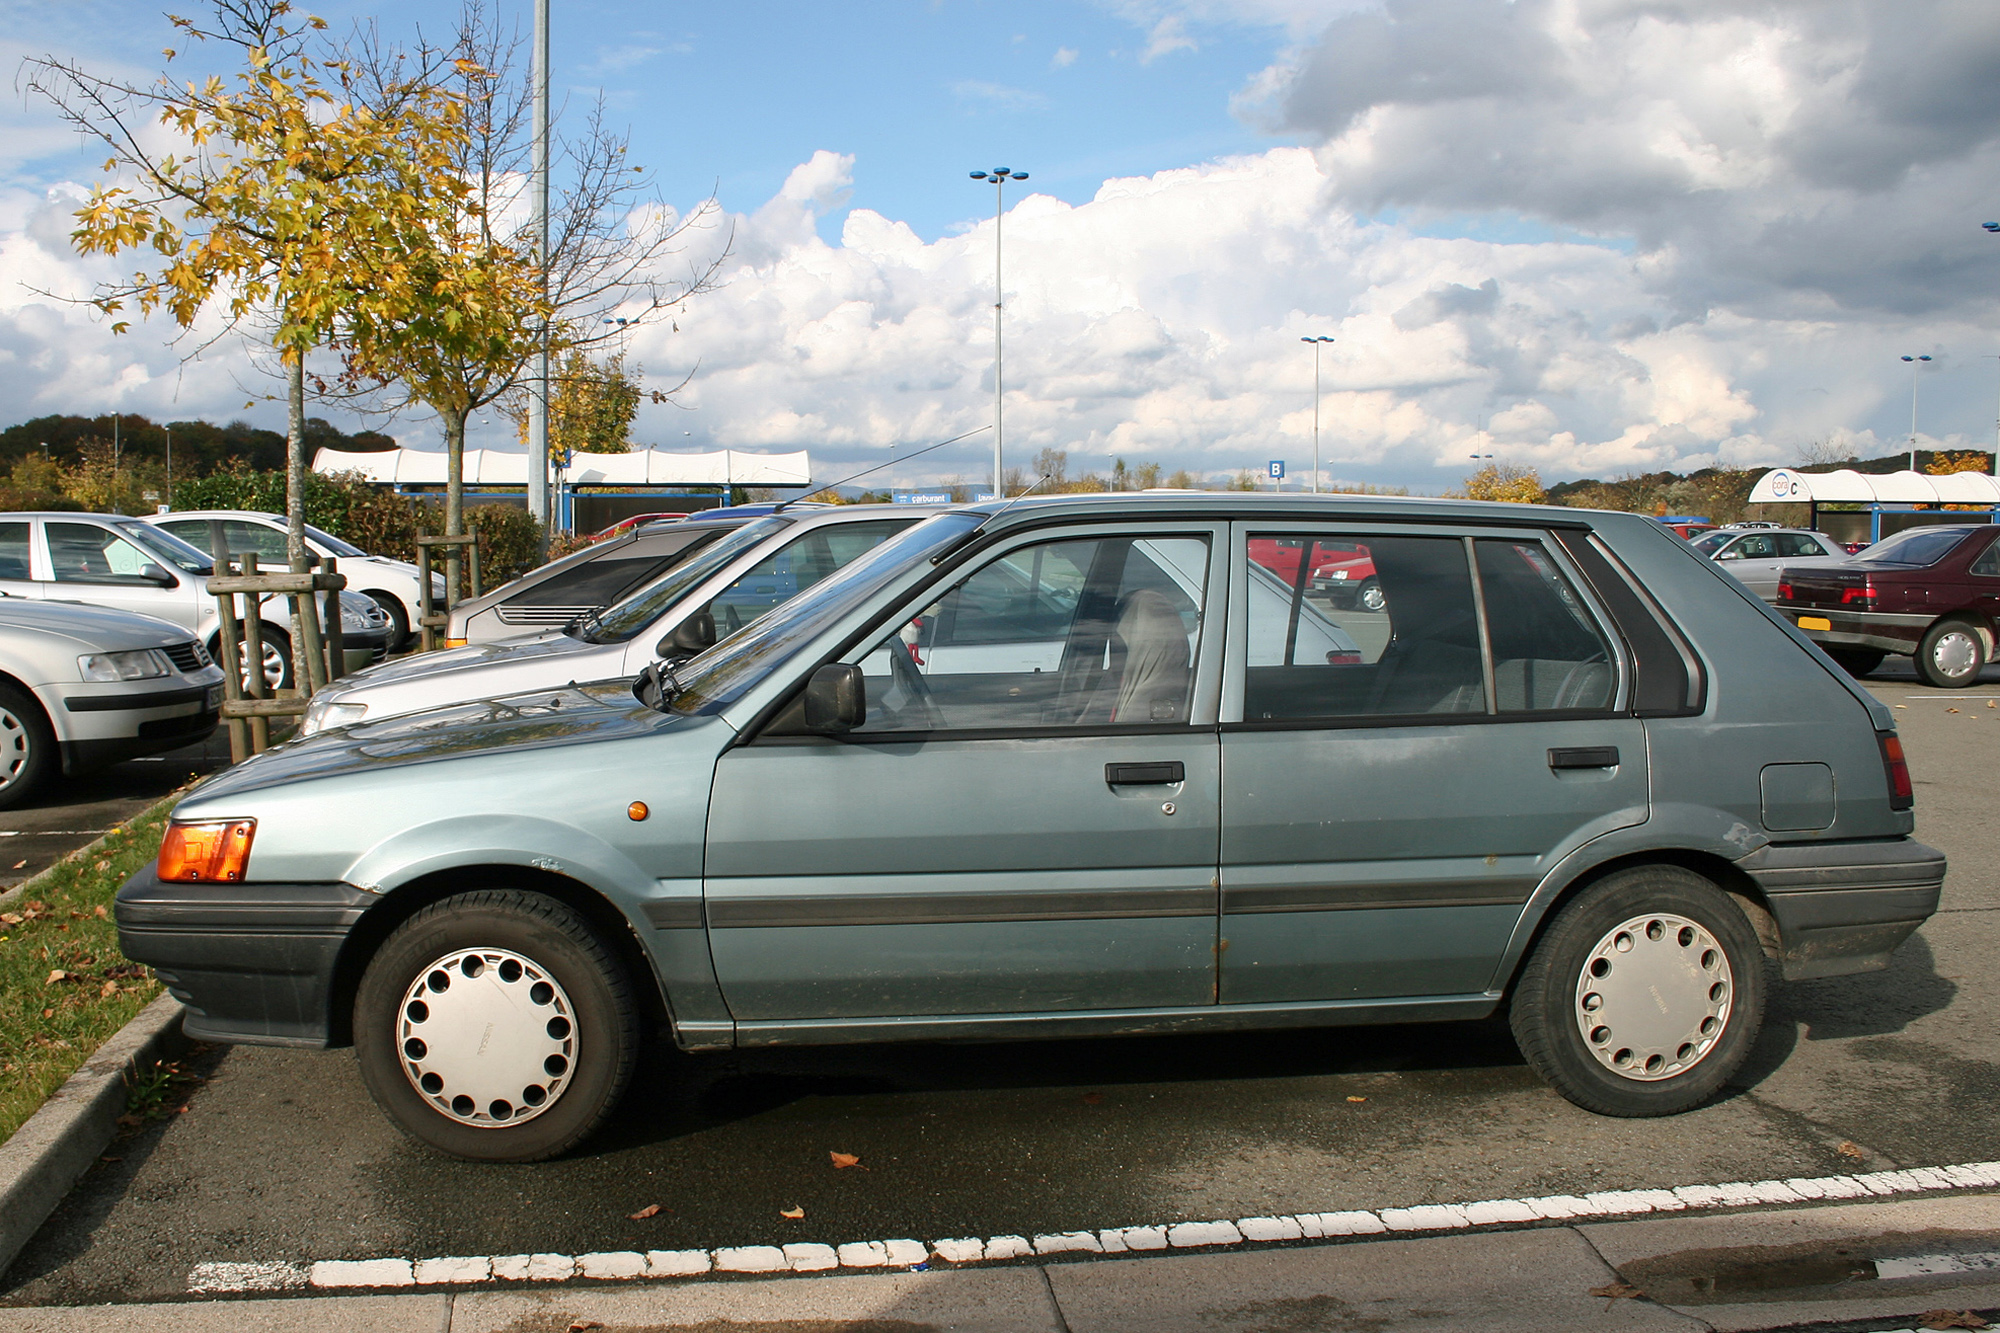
(12,918)
(650,1210)
(1853,1150)
(578,1325)
(109,989)
(843,1160)
(794,1214)
(1989,704)
(55,976)
(1951,710)
(1357,1099)
(19,864)
(1902,705)
(48,1013)
(1092,1098)
(111,1159)
(1613,1292)
(106,865)
(1951,1319)
(101,913)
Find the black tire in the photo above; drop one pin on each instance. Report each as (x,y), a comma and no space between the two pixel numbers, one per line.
(1551,1003)
(1370,597)
(27,747)
(1856,661)
(1951,655)
(399,620)
(590,990)
(278,667)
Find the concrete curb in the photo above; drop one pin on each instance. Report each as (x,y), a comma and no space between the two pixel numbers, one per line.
(50,1153)
(28,885)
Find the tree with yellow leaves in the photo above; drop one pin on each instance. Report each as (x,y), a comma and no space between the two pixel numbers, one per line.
(1506,482)
(287,197)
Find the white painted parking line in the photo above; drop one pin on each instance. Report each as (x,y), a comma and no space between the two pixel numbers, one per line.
(628,1265)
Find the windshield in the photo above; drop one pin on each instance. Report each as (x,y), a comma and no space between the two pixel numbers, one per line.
(727,671)
(167,546)
(1711,542)
(340,550)
(1915,547)
(619,622)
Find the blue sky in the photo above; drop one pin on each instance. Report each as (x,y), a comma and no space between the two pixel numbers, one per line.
(1704,233)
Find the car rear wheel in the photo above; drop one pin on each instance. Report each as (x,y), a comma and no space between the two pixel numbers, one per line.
(1856,661)
(27,747)
(496,1026)
(277,657)
(1644,995)
(1950,655)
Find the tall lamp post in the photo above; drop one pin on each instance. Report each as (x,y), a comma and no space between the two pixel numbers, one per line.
(999,176)
(538,231)
(1915,366)
(1316,342)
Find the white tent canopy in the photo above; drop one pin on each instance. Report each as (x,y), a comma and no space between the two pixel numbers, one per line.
(1786,486)
(641,467)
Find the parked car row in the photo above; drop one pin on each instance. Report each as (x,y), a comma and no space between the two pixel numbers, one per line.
(1054,767)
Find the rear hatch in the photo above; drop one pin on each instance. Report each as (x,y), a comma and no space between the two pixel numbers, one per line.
(1833,587)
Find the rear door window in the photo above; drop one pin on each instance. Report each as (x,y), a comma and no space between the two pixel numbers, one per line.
(14,562)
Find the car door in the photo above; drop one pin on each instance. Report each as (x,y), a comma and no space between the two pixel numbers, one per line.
(1387,812)
(1027,827)
(89,562)
(1982,576)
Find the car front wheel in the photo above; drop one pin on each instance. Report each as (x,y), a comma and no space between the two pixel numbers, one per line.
(1950,655)
(27,747)
(1644,995)
(496,1026)
(1371,597)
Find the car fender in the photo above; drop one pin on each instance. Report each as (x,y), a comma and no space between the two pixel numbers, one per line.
(1675,828)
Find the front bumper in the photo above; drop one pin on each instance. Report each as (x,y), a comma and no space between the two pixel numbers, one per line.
(1843,907)
(253,963)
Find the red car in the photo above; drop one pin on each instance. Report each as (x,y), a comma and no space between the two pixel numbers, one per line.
(627,524)
(1931,594)
(1343,572)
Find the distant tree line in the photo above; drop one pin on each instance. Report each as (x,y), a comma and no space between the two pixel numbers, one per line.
(199,446)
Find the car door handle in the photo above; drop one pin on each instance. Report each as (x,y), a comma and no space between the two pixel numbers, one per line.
(1585,756)
(1135,775)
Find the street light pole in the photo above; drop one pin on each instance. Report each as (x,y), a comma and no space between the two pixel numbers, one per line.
(538,227)
(1316,346)
(999,176)
(1914,368)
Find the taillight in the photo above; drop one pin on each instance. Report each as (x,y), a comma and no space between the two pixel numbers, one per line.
(1901,795)
(1784,591)
(212,853)
(1862,594)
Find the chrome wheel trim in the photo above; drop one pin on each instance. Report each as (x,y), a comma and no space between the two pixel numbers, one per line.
(1956,653)
(1373,598)
(1654,997)
(274,663)
(487,1037)
(16,748)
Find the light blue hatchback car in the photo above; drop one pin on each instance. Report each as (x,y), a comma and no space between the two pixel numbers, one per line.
(1072,767)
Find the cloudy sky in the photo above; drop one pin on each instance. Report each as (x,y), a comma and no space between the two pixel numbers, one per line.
(1595,236)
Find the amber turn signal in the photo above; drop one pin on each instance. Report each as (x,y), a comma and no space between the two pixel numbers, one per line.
(454,643)
(637,811)
(208,853)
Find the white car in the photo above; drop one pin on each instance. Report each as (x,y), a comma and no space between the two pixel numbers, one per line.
(393,584)
(1757,554)
(82,687)
(712,590)
(114,561)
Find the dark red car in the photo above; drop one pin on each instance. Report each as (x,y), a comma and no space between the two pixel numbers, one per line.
(1931,594)
(1344,574)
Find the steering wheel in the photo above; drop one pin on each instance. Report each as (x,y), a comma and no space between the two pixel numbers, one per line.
(915,685)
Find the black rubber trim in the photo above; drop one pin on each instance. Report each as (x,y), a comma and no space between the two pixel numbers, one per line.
(148,902)
(1782,869)
(898,909)
(673,913)
(1363,897)
(131,703)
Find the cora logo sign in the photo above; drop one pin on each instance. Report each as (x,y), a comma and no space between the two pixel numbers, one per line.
(1784,485)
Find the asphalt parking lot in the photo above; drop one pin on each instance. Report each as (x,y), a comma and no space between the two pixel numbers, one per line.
(74,811)
(281,1156)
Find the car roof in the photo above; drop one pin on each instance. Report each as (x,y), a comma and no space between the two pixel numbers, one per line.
(1297,506)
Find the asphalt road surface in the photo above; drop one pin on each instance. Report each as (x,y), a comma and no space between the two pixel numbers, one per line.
(281,1156)
(73,811)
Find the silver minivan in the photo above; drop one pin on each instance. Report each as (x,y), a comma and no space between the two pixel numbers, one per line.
(1059,769)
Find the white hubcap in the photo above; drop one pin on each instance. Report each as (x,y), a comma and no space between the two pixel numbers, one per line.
(488,1037)
(1654,997)
(14,748)
(1956,654)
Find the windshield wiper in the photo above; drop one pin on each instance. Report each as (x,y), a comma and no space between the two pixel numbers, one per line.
(585,626)
(657,687)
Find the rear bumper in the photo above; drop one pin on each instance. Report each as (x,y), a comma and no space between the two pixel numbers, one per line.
(1843,907)
(253,963)
(1887,631)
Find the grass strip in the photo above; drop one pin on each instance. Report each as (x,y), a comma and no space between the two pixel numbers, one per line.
(64,986)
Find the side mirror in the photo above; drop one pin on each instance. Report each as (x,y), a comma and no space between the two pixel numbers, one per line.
(156,574)
(836,700)
(695,634)
(656,686)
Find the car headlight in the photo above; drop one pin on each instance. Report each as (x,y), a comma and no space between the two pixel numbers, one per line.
(1338,574)
(322,713)
(143,664)
(356,619)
